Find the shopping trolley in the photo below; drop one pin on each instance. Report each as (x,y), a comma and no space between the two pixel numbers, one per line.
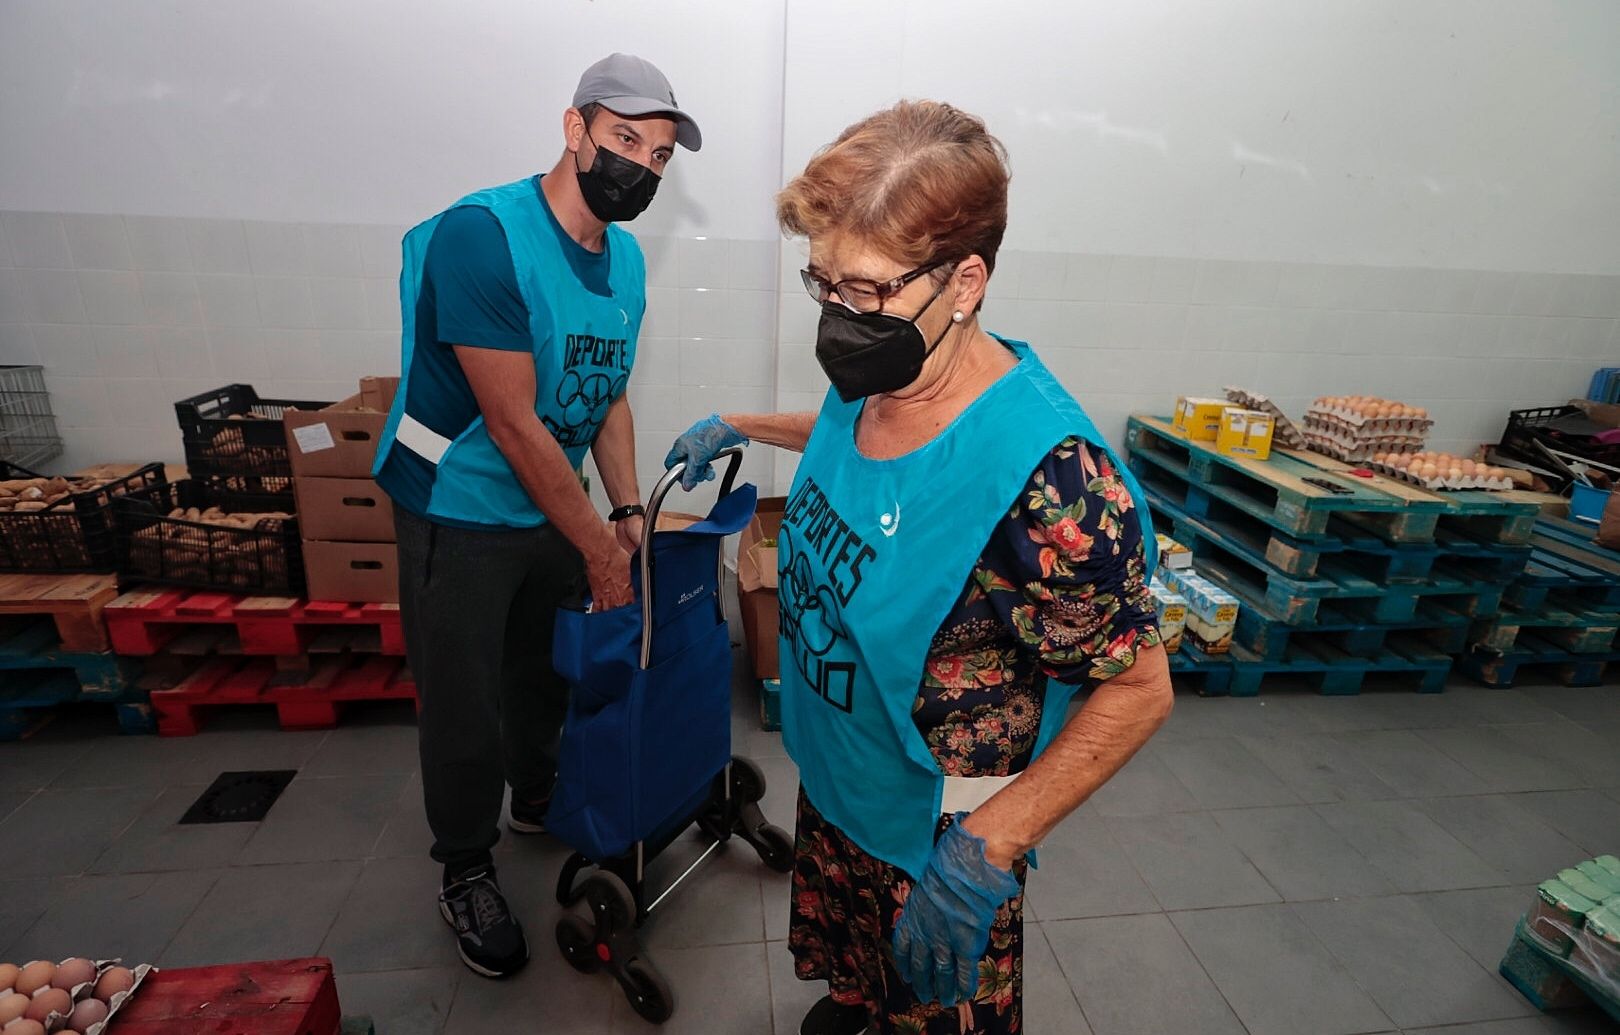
(646,746)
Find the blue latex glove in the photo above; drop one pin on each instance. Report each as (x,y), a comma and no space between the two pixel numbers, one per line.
(945,927)
(700,444)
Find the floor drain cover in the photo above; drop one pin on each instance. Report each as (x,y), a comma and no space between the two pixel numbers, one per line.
(239,797)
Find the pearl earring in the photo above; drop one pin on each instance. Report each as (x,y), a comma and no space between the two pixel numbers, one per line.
(956,317)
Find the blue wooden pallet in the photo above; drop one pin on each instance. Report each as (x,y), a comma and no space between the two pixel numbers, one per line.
(1503,670)
(36,674)
(1214,670)
(1567,571)
(1579,632)
(1332,672)
(1549,981)
(770,704)
(1239,566)
(1265,636)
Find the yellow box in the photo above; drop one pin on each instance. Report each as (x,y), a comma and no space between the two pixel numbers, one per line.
(1199,419)
(1245,433)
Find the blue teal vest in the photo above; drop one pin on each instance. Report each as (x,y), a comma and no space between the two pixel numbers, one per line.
(873,556)
(584,347)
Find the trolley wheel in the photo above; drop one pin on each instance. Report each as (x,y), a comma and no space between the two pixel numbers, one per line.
(577,940)
(648,992)
(747,780)
(610,900)
(775,847)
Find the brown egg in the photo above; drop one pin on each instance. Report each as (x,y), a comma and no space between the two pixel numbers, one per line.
(73,973)
(115,980)
(25,1027)
(8,975)
(35,976)
(88,1013)
(12,1007)
(51,1000)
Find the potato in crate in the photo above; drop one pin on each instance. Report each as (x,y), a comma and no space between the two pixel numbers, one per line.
(232,433)
(62,524)
(197,533)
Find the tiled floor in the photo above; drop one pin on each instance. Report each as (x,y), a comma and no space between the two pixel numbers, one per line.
(1288,865)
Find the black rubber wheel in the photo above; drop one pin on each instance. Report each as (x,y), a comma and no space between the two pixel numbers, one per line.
(605,893)
(648,992)
(775,848)
(747,780)
(577,940)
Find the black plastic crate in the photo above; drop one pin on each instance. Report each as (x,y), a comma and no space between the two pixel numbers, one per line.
(156,543)
(73,534)
(1565,428)
(232,433)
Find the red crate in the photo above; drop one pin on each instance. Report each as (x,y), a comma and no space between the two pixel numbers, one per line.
(283,997)
(142,621)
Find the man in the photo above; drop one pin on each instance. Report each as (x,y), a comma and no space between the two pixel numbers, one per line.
(521,307)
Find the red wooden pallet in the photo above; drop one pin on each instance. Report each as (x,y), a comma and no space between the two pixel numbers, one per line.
(302,699)
(142,621)
(284,997)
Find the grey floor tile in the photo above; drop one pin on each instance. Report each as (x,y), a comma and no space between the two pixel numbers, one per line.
(402,1002)
(1275,974)
(1409,848)
(781,789)
(390,920)
(157,842)
(1299,854)
(263,912)
(381,747)
(1379,710)
(1049,1002)
(406,831)
(791,998)
(21,903)
(1410,765)
(776,898)
(1578,1022)
(216,751)
(1587,749)
(1223,774)
(105,917)
(1318,768)
(1188,863)
(1413,971)
(1514,1026)
(1577,703)
(1480,920)
(1481,706)
(1135,976)
(1521,847)
(61,832)
(719,990)
(130,762)
(1084,872)
(12,800)
(1195,716)
(1145,787)
(1502,764)
(339,817)
(28,765)
(1589,818)
(535,998)
(719,904)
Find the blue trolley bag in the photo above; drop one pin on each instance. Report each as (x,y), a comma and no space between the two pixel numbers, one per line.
(648,727)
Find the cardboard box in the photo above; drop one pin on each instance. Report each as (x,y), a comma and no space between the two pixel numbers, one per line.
(1170,608)
(352,510)
(340,441)
(1199,419)
(756,586)
(1245,433)
(1172,554)
(352,572)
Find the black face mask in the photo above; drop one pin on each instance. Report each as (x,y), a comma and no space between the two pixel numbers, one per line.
(616,189)
(867,354)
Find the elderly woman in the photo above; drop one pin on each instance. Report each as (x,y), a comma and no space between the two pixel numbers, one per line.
(959,543)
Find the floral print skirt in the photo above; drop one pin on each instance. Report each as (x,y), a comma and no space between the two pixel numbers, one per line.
(845,908)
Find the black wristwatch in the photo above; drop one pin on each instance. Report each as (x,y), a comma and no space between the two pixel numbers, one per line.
(628,510)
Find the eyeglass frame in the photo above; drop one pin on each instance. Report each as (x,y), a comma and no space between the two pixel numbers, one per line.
(884,289)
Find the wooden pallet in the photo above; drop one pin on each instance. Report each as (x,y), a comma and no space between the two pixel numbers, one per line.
(36,675)
(1579,632)
(1210,674)
(1434,624)
(285,997)
(303,699)
(1333,672)
(1501,671)
(1567,570)
(1234,562)
(144,621)
(73,602)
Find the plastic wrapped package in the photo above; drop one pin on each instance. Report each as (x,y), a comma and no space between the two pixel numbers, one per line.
(1558,912)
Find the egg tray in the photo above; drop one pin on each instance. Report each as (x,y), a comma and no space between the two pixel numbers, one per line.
(1285,432)
(1347,416)
(1369,427)
(1357,452)
(1377,444)
(1465,483)
(56,1022)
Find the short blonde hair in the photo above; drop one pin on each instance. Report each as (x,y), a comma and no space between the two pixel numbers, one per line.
(922,181)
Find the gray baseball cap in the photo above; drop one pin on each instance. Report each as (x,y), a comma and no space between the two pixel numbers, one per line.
(630,85)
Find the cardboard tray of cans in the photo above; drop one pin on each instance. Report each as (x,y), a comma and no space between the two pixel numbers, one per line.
(94,1013)
(1425,470)
(1287,432)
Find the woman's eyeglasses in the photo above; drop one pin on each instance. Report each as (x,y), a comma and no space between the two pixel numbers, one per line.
(861,295)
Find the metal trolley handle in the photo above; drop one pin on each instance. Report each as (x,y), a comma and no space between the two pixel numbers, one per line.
(672,478)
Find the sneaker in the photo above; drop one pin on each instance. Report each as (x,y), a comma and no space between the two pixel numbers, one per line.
(526,818)
(488,936)
(829,1017)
